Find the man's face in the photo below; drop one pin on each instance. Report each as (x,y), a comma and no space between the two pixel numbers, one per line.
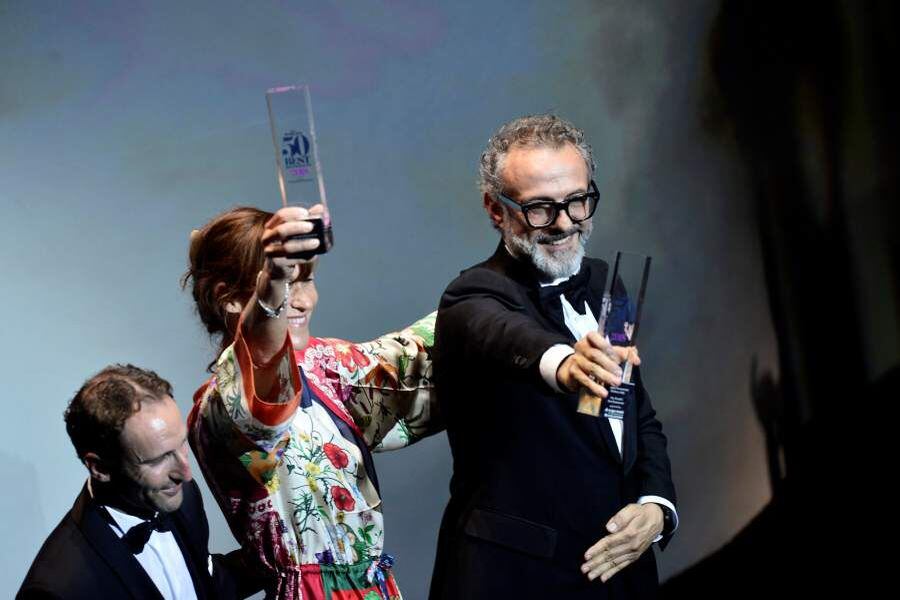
(543,173)
(154,462)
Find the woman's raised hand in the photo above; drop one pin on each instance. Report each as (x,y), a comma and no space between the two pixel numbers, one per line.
(280,235)
(281,249)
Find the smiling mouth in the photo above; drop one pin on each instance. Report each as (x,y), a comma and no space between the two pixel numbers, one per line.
(172,491)
(557,240)
(298,321)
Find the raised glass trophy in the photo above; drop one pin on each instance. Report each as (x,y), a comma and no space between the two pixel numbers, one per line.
(620,317)
(297,158)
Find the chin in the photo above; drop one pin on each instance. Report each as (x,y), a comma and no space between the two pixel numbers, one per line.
(299,340)
(168,504)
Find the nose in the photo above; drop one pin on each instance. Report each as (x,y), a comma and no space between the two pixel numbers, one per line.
(301,299)
(563,222)
(182,464)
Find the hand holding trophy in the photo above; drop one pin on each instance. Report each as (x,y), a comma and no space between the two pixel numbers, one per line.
(299,171)
(618,323)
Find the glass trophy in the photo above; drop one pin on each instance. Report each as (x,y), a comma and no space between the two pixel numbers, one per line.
(620,317)
(297,158)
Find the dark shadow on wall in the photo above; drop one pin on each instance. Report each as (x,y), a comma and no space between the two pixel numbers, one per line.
(795,84)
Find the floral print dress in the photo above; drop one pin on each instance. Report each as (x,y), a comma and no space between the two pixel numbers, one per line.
(293,472)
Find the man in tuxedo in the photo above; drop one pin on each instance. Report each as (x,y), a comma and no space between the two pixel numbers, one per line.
(546,502)
(138,528)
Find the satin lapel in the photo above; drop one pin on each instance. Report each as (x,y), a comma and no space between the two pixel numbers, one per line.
(120,560)
(609,438)
(629,434)
(198,572)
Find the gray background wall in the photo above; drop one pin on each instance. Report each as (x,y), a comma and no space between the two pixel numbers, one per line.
(125,125)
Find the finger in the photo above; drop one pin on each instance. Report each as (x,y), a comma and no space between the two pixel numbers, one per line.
(589,384)
(289,229)
(289,213)
(621,551)
(608,567)
(614,554)
(618,567)
(595,570)
(611,545)
(597,340)
(622,518)
(633,356)
(290,247)
(297,246)
(621,353)
(615,540)
(602,359)
(285,231)
(598,561)
(608,372)
(597,549)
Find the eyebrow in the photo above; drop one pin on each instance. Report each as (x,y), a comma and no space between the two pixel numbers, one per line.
(164,454)
(546,199)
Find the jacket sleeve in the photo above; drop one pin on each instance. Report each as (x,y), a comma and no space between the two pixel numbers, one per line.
(652,461)
(482,319)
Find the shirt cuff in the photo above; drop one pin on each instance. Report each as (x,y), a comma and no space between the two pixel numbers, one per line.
(667,504)
(550,362)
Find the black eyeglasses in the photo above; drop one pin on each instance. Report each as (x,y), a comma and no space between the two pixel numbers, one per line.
(543,213)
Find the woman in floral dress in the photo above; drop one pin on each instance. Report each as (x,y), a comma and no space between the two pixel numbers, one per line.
(286,451)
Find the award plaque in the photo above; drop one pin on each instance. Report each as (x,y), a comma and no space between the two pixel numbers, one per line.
(297,158)
(620,317)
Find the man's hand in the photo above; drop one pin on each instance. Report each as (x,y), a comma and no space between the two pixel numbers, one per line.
(594,363)
(632,531)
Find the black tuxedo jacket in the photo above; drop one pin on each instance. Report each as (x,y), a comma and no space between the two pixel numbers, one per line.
(534,482)
(83,557)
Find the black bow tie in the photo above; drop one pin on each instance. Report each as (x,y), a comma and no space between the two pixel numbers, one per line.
(577,282)
(136,537)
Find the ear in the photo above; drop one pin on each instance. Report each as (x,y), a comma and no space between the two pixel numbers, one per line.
(494,210)
(97,467)
(232,306)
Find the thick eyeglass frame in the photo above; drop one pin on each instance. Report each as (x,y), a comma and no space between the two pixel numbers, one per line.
(592,194)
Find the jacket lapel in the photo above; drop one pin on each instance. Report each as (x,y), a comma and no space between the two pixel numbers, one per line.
(629,434)
(199,572)
(121,561)
(609,438)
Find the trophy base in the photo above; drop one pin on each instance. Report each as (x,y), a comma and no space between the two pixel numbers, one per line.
(320,232)
(589,404)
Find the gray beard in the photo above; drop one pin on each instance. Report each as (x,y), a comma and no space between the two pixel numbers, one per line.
(548,267)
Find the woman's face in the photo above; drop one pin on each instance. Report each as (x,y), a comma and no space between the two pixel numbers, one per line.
(300,307)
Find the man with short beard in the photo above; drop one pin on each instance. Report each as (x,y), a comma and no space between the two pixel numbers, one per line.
(138,528)
(546,502)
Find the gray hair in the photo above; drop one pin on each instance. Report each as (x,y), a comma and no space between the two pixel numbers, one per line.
(532,131)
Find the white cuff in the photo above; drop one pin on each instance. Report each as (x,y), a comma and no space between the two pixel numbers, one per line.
(664,502)
(550,362)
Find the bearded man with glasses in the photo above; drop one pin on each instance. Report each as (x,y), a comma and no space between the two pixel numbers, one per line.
(545,502)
